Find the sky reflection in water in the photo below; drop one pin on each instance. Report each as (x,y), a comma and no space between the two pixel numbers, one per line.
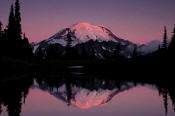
(126,100)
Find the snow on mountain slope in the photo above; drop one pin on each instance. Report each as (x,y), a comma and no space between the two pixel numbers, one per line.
(149,47)
(83,32)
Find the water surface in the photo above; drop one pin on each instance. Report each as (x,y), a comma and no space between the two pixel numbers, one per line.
(84,97)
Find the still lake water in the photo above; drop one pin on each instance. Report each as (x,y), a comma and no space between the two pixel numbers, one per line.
(84,97)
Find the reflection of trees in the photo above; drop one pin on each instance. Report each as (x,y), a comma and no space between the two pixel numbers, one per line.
(12,94)
(0,108)
(72,83)
(166,91)
(96,83)
(172,96)
(88,83)
(69,91)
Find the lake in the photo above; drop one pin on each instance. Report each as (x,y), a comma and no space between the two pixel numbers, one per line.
(82,96)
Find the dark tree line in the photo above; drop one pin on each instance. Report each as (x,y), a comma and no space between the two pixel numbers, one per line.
(13,95)
(167,50)
(12,43)
(171,47)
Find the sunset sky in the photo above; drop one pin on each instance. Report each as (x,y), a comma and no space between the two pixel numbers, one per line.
(139,21)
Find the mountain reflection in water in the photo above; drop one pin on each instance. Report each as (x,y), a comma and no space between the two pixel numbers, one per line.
(87,94)
(84,93)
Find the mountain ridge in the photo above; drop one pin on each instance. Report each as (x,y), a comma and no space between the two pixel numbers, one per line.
(96,39)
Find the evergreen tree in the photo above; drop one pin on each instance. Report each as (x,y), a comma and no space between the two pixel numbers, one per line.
(69,39)
(84,52)
(26,47)
(11,25)
(159,47)
(165,43)
(117,50)
(163,49)
(11,44)
(171,47)
(18,20)
(15,45)
(134,55)
(26,42)
(69,44)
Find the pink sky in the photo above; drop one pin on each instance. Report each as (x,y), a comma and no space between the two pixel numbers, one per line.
(139,21)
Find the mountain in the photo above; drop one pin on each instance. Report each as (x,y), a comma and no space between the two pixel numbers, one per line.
(96,40)
(150,47)
(83,32)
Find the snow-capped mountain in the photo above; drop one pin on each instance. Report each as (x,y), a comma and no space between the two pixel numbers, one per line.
(96,40)
(83,32)
(86,96)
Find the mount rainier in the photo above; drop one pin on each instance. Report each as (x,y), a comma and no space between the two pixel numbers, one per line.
(95,39)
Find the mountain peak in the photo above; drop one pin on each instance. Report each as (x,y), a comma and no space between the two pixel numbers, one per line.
(86,24)
(84,32)
(83,23)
